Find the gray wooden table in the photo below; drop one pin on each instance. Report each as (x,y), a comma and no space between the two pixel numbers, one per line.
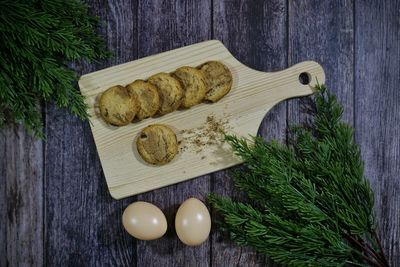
(55,209)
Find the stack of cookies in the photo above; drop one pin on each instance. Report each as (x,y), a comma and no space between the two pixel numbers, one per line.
(163,93)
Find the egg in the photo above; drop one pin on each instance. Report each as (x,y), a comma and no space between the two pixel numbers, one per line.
(192,222)
(144,221)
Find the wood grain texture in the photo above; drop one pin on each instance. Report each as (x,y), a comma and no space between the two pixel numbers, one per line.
(255,33)
(3,200)
(83,222)
(377,107)
(326,37)
(165,25)
(22,174)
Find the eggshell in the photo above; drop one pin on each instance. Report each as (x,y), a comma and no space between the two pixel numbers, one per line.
(192,222)
(144,221)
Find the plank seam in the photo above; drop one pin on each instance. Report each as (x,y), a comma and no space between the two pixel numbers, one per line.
(212,176)
(6,199)
(212,19)
(287,65)
(354,70)
(136,55)
(44,180)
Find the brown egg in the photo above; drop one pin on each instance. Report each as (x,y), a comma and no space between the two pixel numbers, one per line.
(192,222)
(144,221)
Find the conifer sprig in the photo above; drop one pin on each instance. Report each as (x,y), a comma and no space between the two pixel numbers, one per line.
(309,202)
(38,39)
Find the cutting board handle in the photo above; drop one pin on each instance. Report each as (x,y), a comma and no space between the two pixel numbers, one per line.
(259,91)
(257,88)
(299,79)
(309,73)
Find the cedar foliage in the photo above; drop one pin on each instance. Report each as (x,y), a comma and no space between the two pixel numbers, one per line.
(38,39)
(309,202)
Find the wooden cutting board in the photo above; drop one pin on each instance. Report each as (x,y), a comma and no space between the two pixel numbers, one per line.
(240,112)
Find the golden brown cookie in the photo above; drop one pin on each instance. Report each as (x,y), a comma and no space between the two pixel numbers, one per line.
(194,85)
(117,105)
(157,144)
(169,90)
(218,78)
(147,98)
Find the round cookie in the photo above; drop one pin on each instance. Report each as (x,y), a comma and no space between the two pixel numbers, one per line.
(169,90)
(218,78)
(117,106)
(147,98)
(194,85)
(157,144)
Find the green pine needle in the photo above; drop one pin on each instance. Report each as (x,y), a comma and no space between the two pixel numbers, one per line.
(38,39)
(311,205)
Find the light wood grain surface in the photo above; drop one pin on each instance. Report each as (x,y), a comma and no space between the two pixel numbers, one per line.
(252,95)
(73,220)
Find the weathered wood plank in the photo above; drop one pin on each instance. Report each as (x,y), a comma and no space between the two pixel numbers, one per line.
(377,99)
(21,197)
(3,199)
(256,34)
(83,222)
(323,31)
(164,25)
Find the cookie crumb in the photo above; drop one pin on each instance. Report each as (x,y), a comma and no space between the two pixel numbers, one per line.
(210,133)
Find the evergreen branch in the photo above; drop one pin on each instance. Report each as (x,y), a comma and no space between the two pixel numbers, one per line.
(38,39)
(381,253)
(313,205)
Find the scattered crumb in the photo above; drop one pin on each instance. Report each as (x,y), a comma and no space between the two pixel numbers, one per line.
(210,133)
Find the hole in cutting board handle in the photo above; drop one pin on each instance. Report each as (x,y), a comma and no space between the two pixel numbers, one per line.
(305,78)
